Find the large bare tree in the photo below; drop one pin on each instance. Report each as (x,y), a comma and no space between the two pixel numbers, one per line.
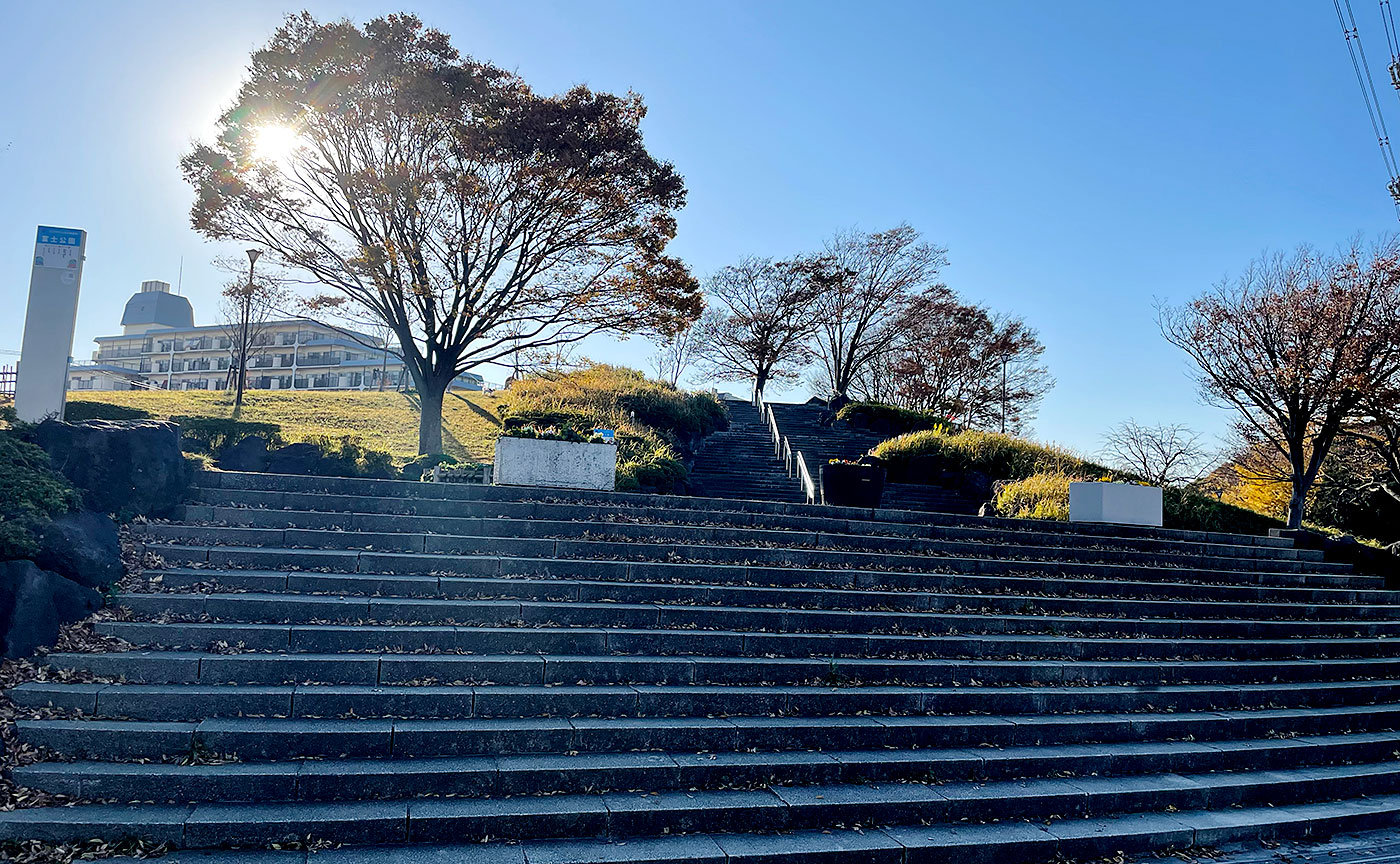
(1295,345)
(871,279)
(444,197)
(761,319)
(1165,454)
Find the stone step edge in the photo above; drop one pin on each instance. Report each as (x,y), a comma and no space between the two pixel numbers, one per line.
(973,566)
(1121,759)
(662,549)
(116,627)
(179,737)
(1081,839)
(195,603)
(171,666)
(407,579)
(993,537)
(251,481)
(258,824)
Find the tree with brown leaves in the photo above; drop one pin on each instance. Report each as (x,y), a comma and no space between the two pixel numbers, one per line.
(444,197)
(1295,346)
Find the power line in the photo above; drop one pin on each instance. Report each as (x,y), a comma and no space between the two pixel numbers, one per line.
(1362,70)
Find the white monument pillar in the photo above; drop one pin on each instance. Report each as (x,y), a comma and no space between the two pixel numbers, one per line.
(49,321)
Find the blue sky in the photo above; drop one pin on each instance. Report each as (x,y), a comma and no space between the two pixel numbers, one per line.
(1078,159)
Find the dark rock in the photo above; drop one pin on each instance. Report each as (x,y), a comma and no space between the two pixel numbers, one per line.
(82,547)
(127,467)
(300,458)
(34,603)
(249,454)
(1345,549)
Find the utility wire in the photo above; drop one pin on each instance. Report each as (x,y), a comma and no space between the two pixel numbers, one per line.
(1350,34)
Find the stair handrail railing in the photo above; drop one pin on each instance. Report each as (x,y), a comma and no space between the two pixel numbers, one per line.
(793,462)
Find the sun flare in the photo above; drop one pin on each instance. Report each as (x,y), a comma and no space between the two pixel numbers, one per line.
(275,143)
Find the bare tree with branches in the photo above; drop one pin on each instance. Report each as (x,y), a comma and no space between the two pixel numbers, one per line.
(444,197)
(1162,454)
(675,353)
(246,311)
(1295,345)
(870,279)
(760,320)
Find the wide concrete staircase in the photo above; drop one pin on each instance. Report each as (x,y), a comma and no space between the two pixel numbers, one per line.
(394,672)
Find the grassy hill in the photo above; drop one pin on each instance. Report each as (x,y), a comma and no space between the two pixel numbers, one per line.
(384,421)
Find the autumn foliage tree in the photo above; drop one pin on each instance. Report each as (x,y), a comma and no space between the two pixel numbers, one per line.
(963,361)
(443,196)
(1296,345)
(760,319)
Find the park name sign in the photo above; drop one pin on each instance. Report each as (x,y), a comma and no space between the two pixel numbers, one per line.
(49,321)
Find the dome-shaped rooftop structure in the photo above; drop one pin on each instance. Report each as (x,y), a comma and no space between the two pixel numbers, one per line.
(154,306)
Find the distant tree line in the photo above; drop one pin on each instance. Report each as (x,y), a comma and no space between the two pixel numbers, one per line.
(869,315)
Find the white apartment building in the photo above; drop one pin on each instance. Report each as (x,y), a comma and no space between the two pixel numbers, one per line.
(161,348)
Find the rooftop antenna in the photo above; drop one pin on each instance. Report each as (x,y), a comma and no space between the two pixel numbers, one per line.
(180,279)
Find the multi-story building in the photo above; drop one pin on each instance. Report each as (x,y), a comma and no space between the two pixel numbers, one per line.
(161,348)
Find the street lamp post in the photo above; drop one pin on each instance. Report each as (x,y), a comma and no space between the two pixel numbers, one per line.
(245,314)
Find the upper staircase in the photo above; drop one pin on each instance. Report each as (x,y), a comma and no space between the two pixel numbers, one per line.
(741,462)
(409,672)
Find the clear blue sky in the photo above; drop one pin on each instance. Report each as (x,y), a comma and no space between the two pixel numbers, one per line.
(1078,159)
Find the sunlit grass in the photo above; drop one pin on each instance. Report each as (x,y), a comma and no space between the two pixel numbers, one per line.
(384,421)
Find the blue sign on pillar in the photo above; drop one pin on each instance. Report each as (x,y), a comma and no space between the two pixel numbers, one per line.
(49,321)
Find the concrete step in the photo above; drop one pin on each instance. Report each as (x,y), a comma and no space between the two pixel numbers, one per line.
(347,667)
(928,525)
(491,775)
(397,553)
(1015,842)
(1310,610)
(459,493)
(252,739)
(629,814)
(296,608)
(667,642)
(986,543)
(767,586)
(199,701)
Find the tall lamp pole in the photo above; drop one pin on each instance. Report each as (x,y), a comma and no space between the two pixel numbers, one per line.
(244,315)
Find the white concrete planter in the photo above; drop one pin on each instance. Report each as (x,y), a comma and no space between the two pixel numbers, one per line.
(559,464)
(1117,503)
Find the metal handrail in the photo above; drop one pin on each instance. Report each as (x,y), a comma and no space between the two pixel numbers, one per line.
(793,463)
(808,487)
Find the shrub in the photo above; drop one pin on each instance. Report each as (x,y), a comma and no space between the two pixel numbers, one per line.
(1189,509)
(1039,496)
(30,491)
(885,419)
(419,468)
(211,435)
(999,457)
(347,456)
(655,423)
(78,411)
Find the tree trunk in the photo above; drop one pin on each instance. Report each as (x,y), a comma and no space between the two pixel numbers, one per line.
(430,396)
(759,382)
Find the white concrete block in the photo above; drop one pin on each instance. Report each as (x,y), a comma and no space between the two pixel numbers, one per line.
(1116,503)
(559,464)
